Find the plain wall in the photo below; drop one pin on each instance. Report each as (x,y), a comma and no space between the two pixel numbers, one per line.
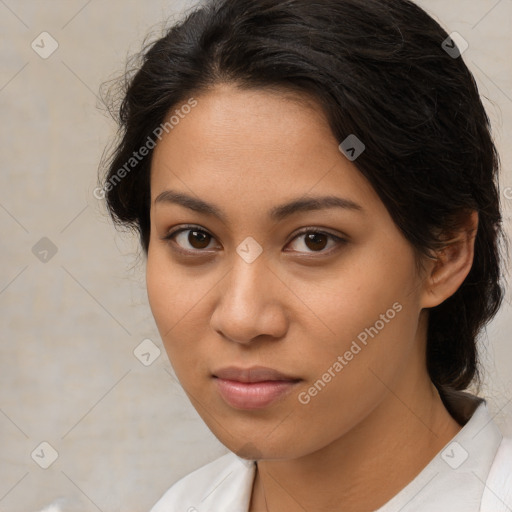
(124,432)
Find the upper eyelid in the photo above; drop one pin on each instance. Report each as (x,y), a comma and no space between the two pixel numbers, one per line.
(187,228)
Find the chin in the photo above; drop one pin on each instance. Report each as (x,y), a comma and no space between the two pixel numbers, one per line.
(249,451)
(264,450)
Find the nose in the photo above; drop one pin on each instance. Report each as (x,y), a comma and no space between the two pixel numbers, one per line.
(250,303)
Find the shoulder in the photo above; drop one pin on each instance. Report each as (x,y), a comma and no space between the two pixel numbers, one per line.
(498,487)
(226,481)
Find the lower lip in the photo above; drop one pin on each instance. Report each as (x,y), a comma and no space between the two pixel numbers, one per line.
(253,395)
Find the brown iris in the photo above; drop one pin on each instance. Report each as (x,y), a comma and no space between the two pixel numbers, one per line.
(200,237)
(316,241)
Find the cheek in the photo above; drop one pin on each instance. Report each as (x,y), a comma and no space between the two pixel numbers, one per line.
(163,293)
(366,287)
(175,293)
(173,302)
(349,378)
(369,318)
(376,339)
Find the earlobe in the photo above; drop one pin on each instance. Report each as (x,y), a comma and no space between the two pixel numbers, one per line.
(452,265)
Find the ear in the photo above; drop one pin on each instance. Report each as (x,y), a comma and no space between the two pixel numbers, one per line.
(447,271)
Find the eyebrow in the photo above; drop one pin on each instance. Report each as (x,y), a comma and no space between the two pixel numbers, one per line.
(277,213)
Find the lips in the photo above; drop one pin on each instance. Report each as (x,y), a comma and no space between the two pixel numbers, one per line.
(253,374)
(252,388)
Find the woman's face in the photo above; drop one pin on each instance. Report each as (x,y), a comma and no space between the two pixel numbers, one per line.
(335,311)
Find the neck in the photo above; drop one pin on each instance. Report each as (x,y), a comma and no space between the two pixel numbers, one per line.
(408,427)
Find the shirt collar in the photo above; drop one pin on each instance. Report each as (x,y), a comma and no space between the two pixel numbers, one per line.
(453,480)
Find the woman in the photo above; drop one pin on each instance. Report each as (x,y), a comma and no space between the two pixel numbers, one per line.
(315,187)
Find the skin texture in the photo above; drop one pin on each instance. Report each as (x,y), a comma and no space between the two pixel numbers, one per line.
(297,306)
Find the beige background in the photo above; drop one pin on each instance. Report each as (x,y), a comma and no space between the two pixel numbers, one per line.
(125,431)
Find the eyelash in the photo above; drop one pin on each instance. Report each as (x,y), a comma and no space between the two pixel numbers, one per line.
(170,239)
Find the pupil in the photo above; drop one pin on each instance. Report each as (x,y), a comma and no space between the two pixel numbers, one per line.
(198,237)
(314,238)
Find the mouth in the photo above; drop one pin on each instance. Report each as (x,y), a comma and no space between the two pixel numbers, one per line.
(253,388)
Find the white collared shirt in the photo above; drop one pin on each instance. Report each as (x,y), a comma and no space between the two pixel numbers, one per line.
(472,473)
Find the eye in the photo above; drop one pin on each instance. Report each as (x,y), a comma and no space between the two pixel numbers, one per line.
(316,241)
(197,239)
(190,239)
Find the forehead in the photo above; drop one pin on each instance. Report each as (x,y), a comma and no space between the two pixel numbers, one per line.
(242,145)
(228,123)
